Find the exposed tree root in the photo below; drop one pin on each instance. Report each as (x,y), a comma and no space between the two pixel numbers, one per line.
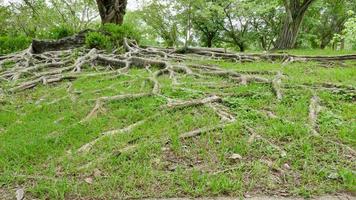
(333,87)
(88,146)
(200,131)
(276,85)
(314,109)
(104,157)
(40,46)
(45,66)
(102,100)
(169,106)
(220,110)
(195,102)
(344,146)
(223,112)
(49,62)
(254,136)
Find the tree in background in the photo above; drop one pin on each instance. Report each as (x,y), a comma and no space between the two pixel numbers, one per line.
(333,16)
(207,19)
(162,17)
(5,14)
(112,11)
(295,12)
(265,22)
(350,31)
(39,19)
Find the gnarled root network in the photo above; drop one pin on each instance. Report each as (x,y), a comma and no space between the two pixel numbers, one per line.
(41,64)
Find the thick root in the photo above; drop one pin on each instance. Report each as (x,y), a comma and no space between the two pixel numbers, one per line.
(191,103)
(314,109)
(254,136)
(88,146)
(276,85)
(200,131)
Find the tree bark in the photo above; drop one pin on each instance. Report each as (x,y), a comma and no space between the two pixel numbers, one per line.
(295,13)
(209,40)
(78,40)
(112,11)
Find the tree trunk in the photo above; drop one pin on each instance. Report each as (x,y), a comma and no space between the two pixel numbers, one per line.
(342,45)
(294,17)
(263,43)
(112,11)
(209,41)
(242,47)
(323,43)
(189,26)
(289,33)
(239,43)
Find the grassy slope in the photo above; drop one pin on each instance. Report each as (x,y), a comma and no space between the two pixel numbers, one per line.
(40,136)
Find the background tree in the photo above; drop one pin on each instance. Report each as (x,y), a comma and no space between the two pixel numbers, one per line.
(295,11)
(265,22)
(162,17)
(333,15)
(236,23)
(207,19)
(112,11)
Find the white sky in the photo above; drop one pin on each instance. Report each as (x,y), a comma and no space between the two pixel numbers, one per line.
(132,4)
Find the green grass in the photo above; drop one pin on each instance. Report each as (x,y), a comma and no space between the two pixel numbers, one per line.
(311,52)
(323,52)
(40,134)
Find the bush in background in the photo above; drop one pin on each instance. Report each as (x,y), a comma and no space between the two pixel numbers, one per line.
(98,40)
(55,33)
(119,32)
(61,32)
(111,36)
(9,44)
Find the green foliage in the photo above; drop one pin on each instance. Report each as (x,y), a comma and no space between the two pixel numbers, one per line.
(350,32)
(165,23)
(348,178)
(61,32)
(97,40)
(119,32)
(114,36)
(9,44)
(55,32)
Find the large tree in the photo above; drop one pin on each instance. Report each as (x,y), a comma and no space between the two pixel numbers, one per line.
(112,11)
(162,16)
(207,19)
(295,11)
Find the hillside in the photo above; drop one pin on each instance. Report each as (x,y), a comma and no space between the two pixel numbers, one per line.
(196,126)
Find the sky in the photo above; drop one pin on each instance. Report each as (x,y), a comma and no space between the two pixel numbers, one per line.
(132,4)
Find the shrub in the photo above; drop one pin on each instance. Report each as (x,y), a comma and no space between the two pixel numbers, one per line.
(61,32)
(119,32)
(54,32)
(9,44)
(97,40)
